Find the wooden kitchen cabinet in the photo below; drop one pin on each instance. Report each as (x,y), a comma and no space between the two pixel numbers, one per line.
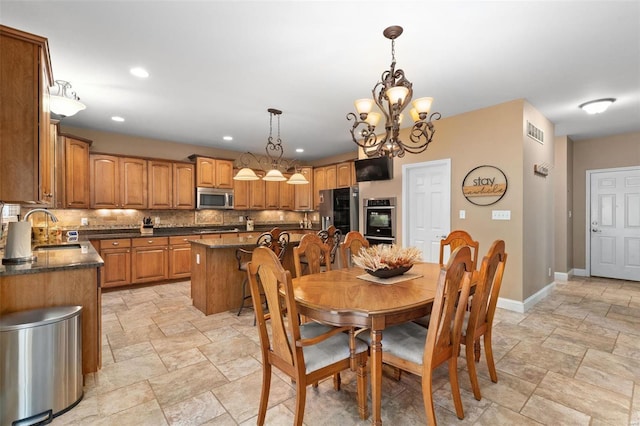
(304,193)
(241,194)
(257,196)
(76,172)
(160,184)
(345,174)
(213,173)
(323,178)
(184,192)
(272,195)
(26,160)
(180,256)
(133,183)
(149,259)
(286,195)
(116,254)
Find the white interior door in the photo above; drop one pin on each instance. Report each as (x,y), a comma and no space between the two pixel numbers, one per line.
(615,224)
(426,206)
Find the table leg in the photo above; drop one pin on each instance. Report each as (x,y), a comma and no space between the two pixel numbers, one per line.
(376,376)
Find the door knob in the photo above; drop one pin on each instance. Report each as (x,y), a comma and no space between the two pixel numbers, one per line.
(596,230)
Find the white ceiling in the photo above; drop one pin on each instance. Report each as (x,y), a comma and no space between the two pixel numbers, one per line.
(216,66)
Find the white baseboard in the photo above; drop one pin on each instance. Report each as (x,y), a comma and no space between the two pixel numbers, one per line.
(580,272)
(522,307)
(561,276)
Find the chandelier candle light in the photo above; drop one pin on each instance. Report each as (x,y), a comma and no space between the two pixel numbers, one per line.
(392,95)
(272,163)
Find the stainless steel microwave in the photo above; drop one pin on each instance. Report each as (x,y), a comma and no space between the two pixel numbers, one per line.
(212,198)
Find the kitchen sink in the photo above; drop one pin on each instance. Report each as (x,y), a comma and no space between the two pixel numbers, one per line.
(57,246)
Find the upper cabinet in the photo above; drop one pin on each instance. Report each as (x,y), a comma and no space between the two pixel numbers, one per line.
(160,184)
(304,193)
(118,182)
(184,194)
(213,173)
(76,193)
(26,160)
(345,174)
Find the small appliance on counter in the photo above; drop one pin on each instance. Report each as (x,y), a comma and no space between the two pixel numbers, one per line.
(18,248)
(249,224)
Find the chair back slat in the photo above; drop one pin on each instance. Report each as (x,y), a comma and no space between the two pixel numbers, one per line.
(485,298)
(353,242)
(314,251)
(459,238)
(447,314)
(276,283)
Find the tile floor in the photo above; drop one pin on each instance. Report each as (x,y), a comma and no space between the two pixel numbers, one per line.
(573,359)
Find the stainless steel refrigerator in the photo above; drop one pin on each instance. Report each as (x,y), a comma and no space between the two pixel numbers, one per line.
(339,207)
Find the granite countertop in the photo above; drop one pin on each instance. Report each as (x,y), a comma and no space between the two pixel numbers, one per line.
(74,256)
(103,234)
(237,242)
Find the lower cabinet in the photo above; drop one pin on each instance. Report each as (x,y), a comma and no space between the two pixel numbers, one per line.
(150,259)
(180,256)
(116,254)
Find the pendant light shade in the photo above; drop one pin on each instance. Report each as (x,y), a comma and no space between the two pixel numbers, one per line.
(64,102)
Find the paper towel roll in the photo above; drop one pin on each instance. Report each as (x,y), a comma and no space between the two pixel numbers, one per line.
(18,241)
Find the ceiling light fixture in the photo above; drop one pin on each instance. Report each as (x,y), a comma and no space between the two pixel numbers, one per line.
(392,95)
(139,72)
(273,163)
(64,102)
(597,106)
(117,118)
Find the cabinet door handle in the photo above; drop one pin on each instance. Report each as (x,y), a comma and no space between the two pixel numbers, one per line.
(150,242)
(115,243)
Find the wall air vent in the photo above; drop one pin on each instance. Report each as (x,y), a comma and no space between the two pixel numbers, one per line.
(534,133)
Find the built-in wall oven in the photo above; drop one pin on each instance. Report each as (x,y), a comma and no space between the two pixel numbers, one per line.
(380,220)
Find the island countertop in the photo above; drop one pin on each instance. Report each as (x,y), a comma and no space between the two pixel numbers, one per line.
(56,259)
(237,242)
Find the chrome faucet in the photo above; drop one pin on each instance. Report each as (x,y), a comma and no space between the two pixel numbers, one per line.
(45,211)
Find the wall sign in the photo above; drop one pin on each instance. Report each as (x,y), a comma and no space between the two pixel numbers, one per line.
(484,185)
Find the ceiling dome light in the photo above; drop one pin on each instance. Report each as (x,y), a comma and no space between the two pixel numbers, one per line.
(227,138)
(62,102)
(139,72)
(118,119)
(597,106)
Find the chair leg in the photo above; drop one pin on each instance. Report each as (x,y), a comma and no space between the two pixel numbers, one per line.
(244,296)
(488,352)
(473,374)
(301,396)
(264,395)
(361,377)
(455,386)
(337,381)
(427,397)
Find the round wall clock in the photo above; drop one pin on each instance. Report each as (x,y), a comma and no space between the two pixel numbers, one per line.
(484,185)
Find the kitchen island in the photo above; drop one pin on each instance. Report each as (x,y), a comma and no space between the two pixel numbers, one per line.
(64,275)
(216,282)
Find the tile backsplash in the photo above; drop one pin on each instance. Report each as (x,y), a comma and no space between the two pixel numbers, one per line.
(129,218)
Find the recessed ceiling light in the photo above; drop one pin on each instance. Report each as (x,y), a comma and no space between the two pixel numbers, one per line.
(118,119)
(139,72)
(597,106)
(299,150)
(227,138)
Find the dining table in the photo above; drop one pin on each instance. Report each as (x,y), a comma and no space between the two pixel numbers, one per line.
(351,297)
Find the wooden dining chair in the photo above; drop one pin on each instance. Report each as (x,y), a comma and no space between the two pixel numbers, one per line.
(483,307)
(305,352)
(456,239)
(314,251)
(351,246)
(276,241)
(420,350)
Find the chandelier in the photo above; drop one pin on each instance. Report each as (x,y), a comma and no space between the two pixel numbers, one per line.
(65,102)
(272,163)
(392,95)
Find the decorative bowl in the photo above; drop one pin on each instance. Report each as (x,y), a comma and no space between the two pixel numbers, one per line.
(388,273)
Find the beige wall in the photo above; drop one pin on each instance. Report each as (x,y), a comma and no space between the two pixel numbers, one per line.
(593,154)
(538,203)
(491,136)
(563,190)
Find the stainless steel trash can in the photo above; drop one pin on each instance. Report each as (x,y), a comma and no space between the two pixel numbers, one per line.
(41,364)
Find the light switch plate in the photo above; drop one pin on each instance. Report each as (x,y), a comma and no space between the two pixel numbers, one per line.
(463,214)
(84,221)
(501,214)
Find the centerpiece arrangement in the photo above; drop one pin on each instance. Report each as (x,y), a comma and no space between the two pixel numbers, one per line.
(387,260)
